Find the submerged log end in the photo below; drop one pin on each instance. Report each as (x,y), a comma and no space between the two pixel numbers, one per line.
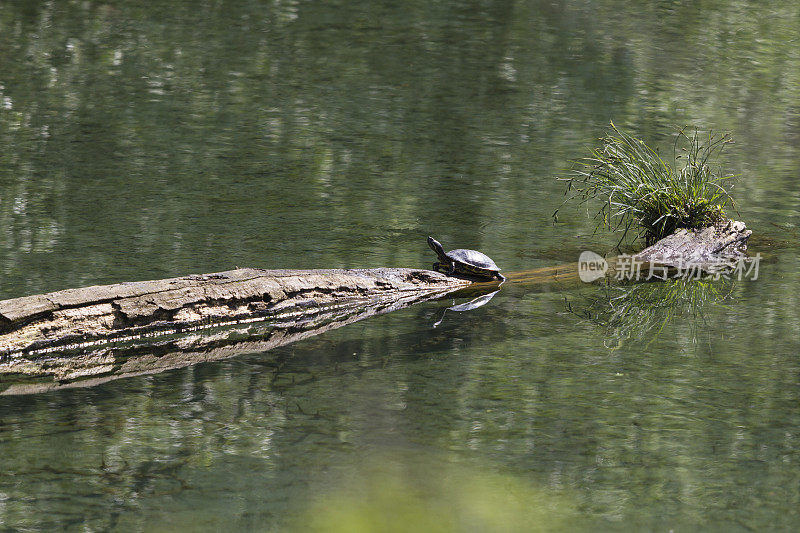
(724,242)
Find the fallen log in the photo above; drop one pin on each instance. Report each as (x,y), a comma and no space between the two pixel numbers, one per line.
(90,315)
(94,334)
(89,366)
(38,323)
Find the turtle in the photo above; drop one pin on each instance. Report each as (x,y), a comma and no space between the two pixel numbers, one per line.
(465,262)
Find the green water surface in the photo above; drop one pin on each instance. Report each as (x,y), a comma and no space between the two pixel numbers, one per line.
(158,139)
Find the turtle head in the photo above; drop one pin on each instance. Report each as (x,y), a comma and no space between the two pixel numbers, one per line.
(437,247)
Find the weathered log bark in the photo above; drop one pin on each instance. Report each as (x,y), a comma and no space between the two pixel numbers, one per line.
(37,324)
(709,247)
(93,365)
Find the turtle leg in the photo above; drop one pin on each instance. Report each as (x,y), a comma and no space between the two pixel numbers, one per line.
(445,268)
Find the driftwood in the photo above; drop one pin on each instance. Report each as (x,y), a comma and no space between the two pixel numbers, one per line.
(709,247)
(36,324)
(93,365)
(81,317)
(80,337)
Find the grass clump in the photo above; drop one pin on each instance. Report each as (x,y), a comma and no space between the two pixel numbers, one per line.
(639,190)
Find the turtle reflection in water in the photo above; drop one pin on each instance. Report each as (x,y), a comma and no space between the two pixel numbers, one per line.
(471,263)
(468,306)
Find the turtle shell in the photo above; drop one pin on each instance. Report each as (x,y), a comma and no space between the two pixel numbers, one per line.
(473,258)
